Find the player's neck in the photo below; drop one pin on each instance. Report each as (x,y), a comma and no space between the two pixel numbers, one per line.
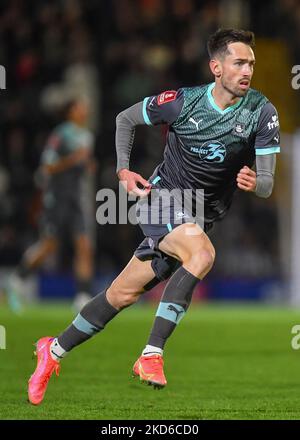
(223,99)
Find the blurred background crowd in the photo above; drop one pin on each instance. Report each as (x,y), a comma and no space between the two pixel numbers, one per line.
(117,52)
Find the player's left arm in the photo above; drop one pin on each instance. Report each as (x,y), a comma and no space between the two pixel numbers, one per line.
(267,145)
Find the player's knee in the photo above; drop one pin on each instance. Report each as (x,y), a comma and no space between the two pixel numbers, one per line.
(206,257)
(124,300)
(121,297)
(127,300)
(201,260)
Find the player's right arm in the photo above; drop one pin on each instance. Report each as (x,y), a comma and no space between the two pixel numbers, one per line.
(267,146)
(153,110)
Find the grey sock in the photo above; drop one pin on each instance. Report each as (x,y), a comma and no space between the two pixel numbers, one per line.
(175,301)
(91,320)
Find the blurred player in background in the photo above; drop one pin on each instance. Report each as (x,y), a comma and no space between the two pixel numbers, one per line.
(66,159)
(216,133)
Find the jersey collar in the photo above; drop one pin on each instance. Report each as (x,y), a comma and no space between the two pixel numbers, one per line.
(215,106)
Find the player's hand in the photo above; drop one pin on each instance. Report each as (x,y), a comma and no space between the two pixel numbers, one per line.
(129,180)
(246,179)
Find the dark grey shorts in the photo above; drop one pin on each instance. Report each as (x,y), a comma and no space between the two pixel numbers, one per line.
(158,215)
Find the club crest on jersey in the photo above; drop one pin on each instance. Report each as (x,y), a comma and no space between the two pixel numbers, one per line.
(239,129)
(167,96)
(211,151)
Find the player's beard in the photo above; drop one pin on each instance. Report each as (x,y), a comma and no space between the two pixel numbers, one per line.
(236,92)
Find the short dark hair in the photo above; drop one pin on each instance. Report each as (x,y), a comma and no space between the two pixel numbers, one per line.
(218,42)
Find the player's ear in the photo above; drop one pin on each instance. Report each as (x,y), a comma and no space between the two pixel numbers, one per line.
(215,67)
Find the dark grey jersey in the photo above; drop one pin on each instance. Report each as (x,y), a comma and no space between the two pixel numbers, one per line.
(206,146)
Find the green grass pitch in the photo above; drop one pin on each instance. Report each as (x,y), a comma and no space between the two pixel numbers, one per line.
(222,362)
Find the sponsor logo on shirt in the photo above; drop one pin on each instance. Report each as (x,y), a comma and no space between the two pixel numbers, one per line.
(193,121)
(151,242)
(211,151)
(167,96)
(181,214)
(274,123)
